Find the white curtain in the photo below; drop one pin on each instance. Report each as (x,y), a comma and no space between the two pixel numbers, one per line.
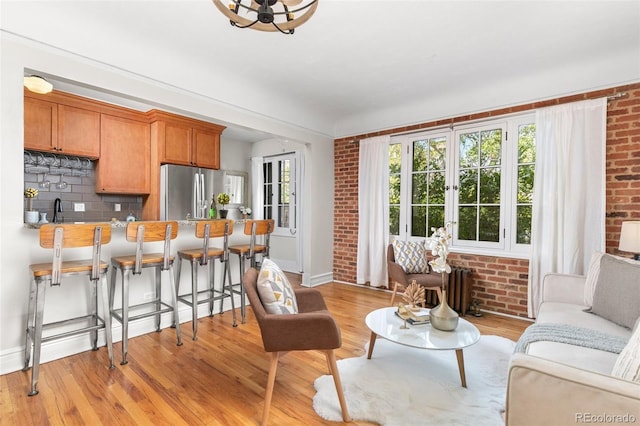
(373,208)
(569,191)
(257,188)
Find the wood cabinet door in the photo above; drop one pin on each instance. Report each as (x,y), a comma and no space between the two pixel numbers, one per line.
(40,125)
(206,149)
(125,149)
(78,131)
(177,144)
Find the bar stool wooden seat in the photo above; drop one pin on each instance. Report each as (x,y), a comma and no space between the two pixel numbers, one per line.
(206,256)
(59,237)
(141,232)
(253,228)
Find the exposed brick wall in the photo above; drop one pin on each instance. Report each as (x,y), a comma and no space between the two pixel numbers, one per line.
(500,284)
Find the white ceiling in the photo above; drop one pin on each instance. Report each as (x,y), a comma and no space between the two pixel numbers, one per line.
(356,66)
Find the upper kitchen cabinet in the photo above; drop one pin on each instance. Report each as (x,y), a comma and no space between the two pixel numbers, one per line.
(62,124)
(124,164)
(185,141)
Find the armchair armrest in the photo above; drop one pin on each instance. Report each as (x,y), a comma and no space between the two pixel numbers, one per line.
(540,391)
(300,332)
(563,288)
(309,300)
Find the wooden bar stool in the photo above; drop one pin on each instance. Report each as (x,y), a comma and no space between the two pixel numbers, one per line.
(254,228)
(141,232)
(59,237)
(206,256)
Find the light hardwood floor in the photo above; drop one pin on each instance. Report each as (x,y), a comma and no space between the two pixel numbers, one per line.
(217,380)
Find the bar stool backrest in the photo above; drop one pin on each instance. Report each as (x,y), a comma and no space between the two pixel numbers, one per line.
(150,231)
(59,236)
(216,228)
(259,227)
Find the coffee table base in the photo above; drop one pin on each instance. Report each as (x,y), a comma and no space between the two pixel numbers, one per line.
(459,356)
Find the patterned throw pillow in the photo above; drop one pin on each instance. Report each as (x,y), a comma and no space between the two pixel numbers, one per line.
(412,256)
(274,290)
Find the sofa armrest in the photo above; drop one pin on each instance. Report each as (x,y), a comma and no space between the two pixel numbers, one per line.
(540,391)
(563,288)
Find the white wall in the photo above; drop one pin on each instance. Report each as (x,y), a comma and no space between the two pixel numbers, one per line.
(18,246)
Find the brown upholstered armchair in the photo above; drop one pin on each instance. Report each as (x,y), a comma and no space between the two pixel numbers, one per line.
(312,328)
(397,276)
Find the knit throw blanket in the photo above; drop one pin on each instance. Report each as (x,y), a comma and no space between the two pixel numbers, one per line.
(572,335)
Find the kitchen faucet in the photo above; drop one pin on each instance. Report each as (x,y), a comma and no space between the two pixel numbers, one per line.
(57,208)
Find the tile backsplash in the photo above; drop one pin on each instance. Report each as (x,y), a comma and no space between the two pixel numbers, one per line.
(79,189)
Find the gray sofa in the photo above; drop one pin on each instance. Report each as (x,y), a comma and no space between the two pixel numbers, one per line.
(560,383)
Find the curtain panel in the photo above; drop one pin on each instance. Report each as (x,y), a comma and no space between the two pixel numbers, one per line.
(569,191)
(373,211)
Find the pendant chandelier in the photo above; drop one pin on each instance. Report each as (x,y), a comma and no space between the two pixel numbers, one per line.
(268,15)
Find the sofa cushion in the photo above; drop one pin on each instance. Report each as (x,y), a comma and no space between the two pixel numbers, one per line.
(575,356)
(568,313)
(411,256)
(617,293)
(593,273)
(627,364)
(275,291)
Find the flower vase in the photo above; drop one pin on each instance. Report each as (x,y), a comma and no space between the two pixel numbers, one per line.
(442,316)
(223,213)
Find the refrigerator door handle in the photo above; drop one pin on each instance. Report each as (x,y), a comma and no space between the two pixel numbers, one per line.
(203,201)
(196,195)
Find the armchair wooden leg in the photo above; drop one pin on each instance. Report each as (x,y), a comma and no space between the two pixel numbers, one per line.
(396,284)
(273,367)
(331,359)
(439,292)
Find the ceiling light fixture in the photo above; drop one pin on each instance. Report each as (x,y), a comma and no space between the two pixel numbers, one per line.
(268,15)
(38,84)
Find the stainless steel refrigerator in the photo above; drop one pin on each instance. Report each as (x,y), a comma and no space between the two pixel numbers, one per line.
(185,192)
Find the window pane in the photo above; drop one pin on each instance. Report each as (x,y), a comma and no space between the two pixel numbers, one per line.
(523,231)
(469,150)
(526,143)
(395,158)
(468,219)
(436,217)
(419,221)
(437,154)
(436,188)
(525,183)
(419,188)
(490,147)
(394,220)
(490,185)
(420,150)
(489,223)
(394,189)
(468,191)
(283,216)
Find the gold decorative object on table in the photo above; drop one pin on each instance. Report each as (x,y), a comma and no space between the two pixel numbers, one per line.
(413,294)
(442,316)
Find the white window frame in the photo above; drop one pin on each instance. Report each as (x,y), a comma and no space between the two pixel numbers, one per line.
(506,246)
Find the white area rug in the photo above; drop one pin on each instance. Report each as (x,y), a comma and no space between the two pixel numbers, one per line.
(400,385)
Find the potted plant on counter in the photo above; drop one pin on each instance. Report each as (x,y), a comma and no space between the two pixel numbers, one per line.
(223,199)
(30,215)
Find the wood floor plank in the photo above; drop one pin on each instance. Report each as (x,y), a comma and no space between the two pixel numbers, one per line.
(219,379)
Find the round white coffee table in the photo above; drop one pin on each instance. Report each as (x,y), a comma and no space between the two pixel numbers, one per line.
(386,324)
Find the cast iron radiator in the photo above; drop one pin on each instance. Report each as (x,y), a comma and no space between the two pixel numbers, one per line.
(458,290)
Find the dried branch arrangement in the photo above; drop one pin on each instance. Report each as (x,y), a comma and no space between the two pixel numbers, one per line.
(413,294)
